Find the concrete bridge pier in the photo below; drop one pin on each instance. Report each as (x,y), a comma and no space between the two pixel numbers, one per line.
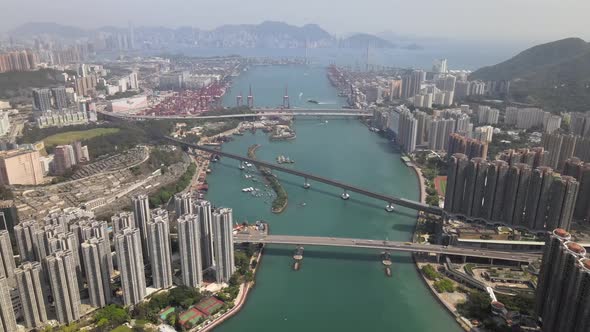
(390,207)
(345,195)
(306,184)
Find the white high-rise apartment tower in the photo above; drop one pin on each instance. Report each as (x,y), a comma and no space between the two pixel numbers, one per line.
(130,263)
(141,212)
(30,289)
(158,233)
(190,250)
(95,257)
(6,256)
(223,244)
(7,319)
(203,210)
(64,285)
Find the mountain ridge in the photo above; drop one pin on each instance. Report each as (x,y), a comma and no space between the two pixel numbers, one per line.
(554,75)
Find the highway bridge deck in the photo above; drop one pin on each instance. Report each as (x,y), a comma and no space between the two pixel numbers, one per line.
(517,256)
(386,198)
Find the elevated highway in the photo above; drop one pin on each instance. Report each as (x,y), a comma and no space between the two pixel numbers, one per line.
(390,200)
(516,256)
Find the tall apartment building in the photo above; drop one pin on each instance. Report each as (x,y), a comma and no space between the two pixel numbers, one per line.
(580,124)
(538,198)
(560,148)
(204,211)
(563,291)
(484,133)
(87,229)
(190,250)
(61,267)
(60,97)
(528,118)
(7,319)
(411,83)
(20,166)
(438,133)
(422,127)
(123,220)
(130,263)
(183,203)
(142,214)
(6,256)
(487,115)
(25,233)
(28,280)
(42,100)
(408,128)
(95,256)
(223,241)
(471,147)
(513,194)
(533,157)
(580,171)
(564,193)
(62,160)
(158,233)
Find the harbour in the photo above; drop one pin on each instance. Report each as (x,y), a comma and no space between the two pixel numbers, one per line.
(333,149)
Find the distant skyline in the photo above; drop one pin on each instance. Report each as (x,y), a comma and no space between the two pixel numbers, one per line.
(509,20)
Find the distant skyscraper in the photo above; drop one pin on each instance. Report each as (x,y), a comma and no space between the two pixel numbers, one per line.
(203,210)
(96,265)
(28,280)
(563,292)
(26,240)
(42,99)
(159,244)
(183,203)
(190,250)
(223,244)
(141,212)
(7,319)
(440,66)
(130,263)
(64,285)
(6,256)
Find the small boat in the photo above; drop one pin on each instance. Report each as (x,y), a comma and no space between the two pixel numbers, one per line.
(208,170)
(345,196)
(313,101)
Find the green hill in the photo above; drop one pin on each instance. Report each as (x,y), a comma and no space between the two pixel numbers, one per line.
(555,75)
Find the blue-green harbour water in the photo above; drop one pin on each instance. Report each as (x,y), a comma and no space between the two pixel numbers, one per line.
(336,289)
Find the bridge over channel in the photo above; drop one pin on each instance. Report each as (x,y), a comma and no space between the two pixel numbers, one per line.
(259,113)
(390,200)
(516,256)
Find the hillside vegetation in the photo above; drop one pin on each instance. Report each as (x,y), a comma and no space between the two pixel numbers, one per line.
(555,75)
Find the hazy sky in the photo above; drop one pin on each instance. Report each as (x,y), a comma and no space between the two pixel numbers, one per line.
(530,20)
